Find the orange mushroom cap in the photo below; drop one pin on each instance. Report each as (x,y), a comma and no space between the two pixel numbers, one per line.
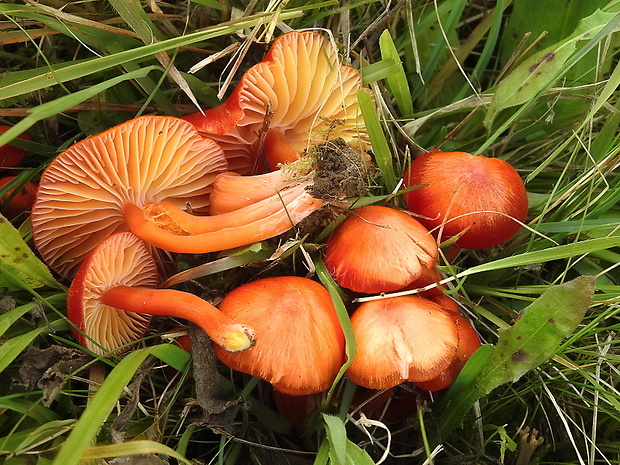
(113,296)
(401,339)
(481,197)
(82,193)
(299,342)
(309,95)
(379,249)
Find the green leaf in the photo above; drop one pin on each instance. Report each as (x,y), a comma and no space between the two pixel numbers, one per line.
(357,456)
(532,77)
(337,437)
(18,262)
(397,80)
(531,341)
(541,70)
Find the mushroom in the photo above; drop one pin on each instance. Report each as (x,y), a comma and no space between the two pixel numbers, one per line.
(300,94)
(84,191)
(379,249)
(299,342)
(138,176)
(113,296)
(400,339)
(19,196)
(468,344)
(10,155)
(479,200)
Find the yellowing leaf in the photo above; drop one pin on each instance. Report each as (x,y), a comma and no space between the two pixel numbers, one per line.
(19,268)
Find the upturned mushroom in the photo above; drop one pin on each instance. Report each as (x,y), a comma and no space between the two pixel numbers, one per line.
(400,339)
(479,200)
(379,249)
(299,94)
(299,342)
(139,176)
(113,297)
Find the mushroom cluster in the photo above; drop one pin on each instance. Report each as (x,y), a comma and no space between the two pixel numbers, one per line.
(289,140)
(113,206)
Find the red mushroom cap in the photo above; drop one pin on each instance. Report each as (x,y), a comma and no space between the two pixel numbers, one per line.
(310,98)
(299,342)
(11,156)
(379,249)
(401,339)
(16,202)
(483,198)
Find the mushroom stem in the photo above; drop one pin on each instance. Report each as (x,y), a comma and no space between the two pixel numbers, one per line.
(167,227)
(232,191)
(222,329)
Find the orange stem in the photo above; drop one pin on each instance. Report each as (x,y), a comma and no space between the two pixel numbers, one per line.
(184,233)
(222,329)
(232,191)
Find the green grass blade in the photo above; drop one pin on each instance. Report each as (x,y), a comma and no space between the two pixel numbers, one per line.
(380,148)
(59,75)
(102,403)
(10,349)
(7,319)
(546,255)
(132,448)
(397,80)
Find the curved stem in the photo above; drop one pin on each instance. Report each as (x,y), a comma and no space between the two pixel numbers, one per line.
(223,330)
(232,191)
(266,219)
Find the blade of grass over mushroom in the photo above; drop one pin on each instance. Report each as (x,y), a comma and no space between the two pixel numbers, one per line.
(528,258)
(531,341)
(380,148)
(106,397)
(131,448)
(343,317)
(17,258)
(397,80)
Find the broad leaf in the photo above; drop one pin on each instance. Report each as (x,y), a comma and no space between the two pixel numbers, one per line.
(19,268)
(531,341)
